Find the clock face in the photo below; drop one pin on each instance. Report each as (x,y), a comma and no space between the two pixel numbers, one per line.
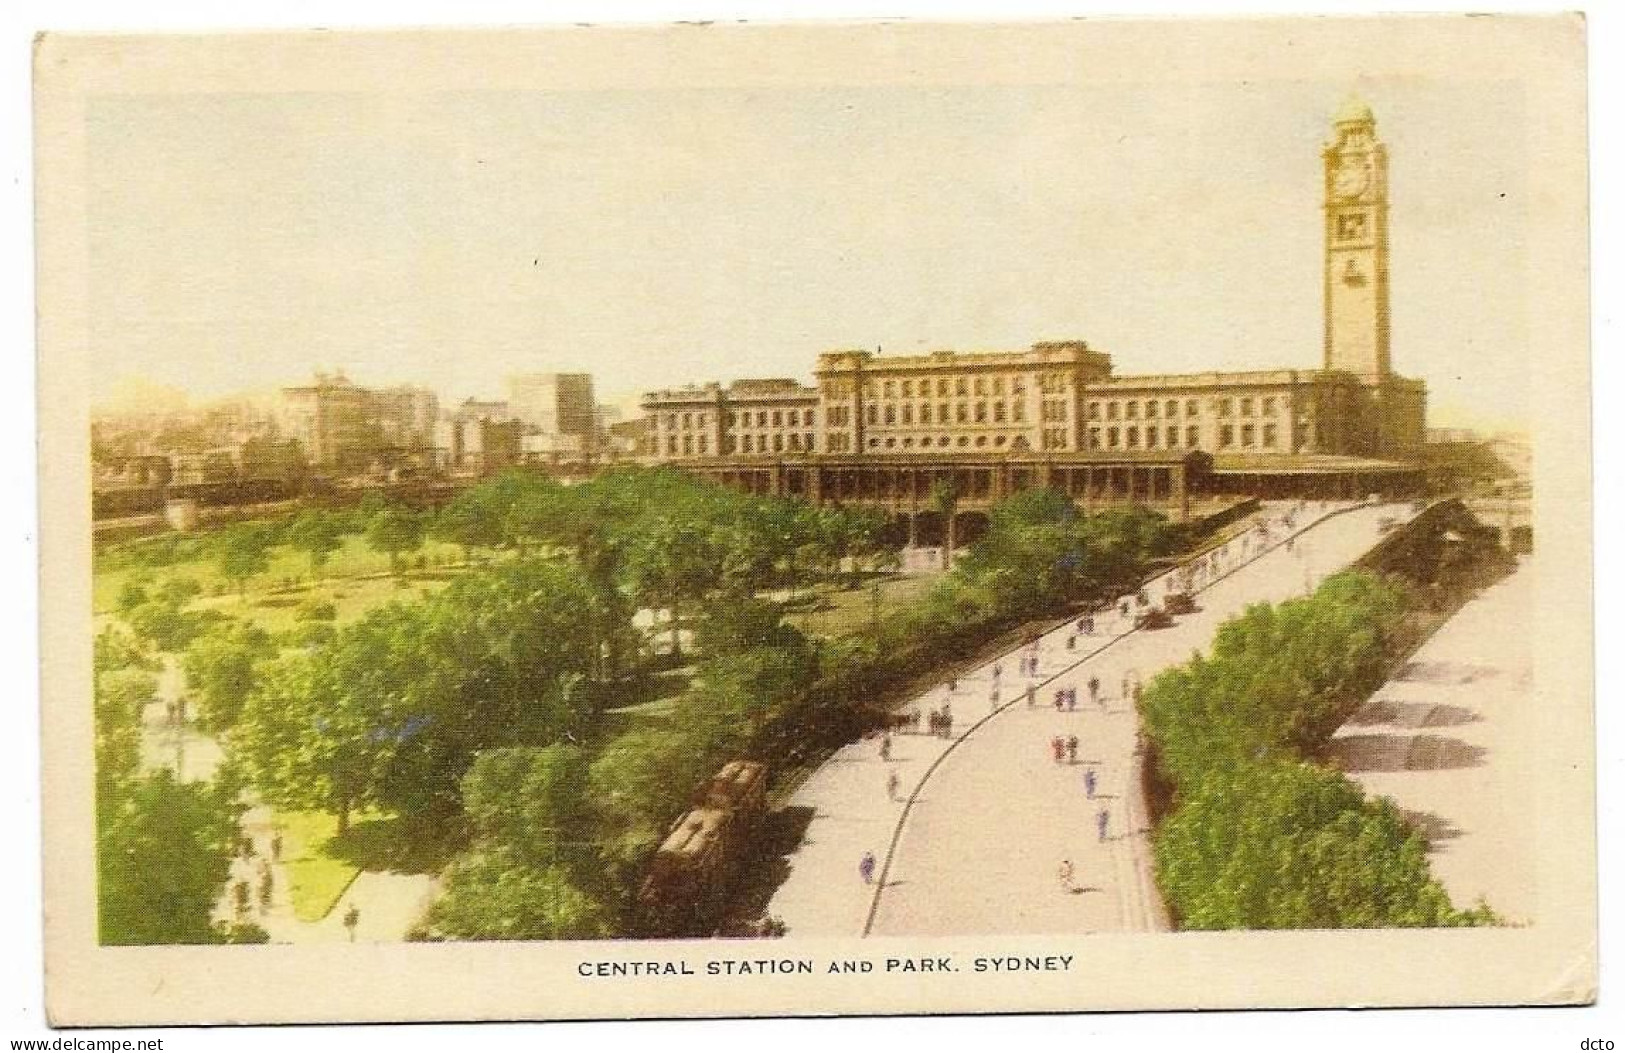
(1350,179)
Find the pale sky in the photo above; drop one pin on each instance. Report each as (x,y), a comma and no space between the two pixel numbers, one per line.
(659,237)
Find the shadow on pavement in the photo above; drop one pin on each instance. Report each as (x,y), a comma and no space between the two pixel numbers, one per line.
(1432,826)
(1412,714)
(780,834)
(1445,672)
(1392,753)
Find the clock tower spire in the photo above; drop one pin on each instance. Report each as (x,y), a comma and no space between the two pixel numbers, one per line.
(1356,253)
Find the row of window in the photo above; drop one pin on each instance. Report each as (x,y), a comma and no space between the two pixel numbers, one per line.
(1151,409)
(980,412)
(925,442)
(943,386)
(1129,438)
(744,419)
(699,445)
(963,413)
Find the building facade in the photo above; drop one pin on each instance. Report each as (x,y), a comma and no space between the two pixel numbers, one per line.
(1064,399)
(557,404)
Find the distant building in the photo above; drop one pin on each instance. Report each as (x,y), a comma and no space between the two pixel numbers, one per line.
(479,437)
(347,429)
(332,420)
(555,404)
(406,416)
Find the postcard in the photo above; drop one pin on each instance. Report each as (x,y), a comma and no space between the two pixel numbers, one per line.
(847,518)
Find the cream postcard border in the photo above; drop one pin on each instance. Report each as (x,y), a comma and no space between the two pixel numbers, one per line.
(1553,961)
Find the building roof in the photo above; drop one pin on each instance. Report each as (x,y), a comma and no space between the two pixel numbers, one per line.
(1303,464)
(1354,110)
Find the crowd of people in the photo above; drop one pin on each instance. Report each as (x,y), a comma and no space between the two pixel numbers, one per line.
(1122,616)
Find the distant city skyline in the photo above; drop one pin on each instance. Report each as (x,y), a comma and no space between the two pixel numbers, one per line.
(660,238)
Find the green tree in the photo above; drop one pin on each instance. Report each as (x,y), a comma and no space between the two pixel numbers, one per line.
(135,592)
(222,668)
(1288,845)
(163,854)
(120,697)
(395,531)
(672,563)
(318,534)
(945,502)
(243,551)
(490,895)
(472,520)
(529,800)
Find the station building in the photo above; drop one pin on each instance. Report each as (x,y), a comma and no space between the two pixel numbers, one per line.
(1350,426)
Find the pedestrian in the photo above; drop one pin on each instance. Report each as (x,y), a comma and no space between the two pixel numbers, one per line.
(1081,622)
(1071,699)
(276,847)
(1072,749)
(885,746)
(1089,783)
(1066,876)
(1072,643)
(1102,819)
(892,783)
(947,722)
(1032,696)
(1057,748)
(998,671)
(866,868)
(953,684)
(1088,625)
(239,893)
(1094,690)
(352,918)
(993,699)
(1122,607)
(1060,700)
(265,893)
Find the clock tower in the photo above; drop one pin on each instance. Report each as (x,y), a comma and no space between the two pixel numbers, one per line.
(1356,254)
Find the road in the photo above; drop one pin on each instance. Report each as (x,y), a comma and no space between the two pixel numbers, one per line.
(993,815)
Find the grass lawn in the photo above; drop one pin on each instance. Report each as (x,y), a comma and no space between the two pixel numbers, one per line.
(841,611)
(316,879)
(351,560)
(321,865)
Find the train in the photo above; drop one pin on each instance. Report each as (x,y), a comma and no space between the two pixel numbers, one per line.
(693,870)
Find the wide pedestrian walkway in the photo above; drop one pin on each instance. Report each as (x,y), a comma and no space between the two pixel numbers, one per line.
(991,814)
(1444,740)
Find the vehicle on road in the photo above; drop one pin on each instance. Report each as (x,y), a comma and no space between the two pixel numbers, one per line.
(694,868)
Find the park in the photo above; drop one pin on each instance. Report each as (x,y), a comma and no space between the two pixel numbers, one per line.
(479,721)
